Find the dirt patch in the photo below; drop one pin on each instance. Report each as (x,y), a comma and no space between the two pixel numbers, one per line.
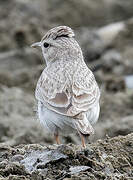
(109,158)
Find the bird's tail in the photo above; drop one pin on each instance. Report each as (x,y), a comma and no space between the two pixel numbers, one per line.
(84,126)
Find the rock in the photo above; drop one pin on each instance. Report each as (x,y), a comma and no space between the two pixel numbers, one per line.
(39,159)
(78,169)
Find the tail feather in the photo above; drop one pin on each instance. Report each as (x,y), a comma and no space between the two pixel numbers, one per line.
(84,126)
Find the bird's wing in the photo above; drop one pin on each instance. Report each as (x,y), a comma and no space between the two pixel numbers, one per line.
(69,97)
(52,91)
(85,91)
(85,96)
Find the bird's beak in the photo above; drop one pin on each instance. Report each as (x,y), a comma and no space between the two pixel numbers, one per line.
(36,44)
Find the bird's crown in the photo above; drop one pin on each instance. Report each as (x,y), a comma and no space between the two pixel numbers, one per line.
(60,31)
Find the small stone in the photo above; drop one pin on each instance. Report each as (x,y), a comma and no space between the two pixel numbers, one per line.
(78,169)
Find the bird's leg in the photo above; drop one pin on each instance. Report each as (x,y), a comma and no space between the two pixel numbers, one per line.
(57,138)
(82,140)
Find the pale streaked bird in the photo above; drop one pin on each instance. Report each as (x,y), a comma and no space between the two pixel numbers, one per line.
(67,92)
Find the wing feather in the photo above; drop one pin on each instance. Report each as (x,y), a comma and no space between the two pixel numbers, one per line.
(52,90)
(65,97)
(85,91)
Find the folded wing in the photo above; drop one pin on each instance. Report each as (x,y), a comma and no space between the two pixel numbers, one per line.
(69,97)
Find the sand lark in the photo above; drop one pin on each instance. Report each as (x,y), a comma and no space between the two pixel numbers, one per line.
(67,92)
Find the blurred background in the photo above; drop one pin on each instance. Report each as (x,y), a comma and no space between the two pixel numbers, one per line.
(104,30)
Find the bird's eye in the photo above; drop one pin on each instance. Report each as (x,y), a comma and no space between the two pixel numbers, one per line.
(46,45)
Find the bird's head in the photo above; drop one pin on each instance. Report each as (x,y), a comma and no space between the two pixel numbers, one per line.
(59,43)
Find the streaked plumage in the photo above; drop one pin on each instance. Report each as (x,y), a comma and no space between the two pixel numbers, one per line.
(67,92)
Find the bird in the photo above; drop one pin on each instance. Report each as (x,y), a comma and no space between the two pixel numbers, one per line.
(67,92)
